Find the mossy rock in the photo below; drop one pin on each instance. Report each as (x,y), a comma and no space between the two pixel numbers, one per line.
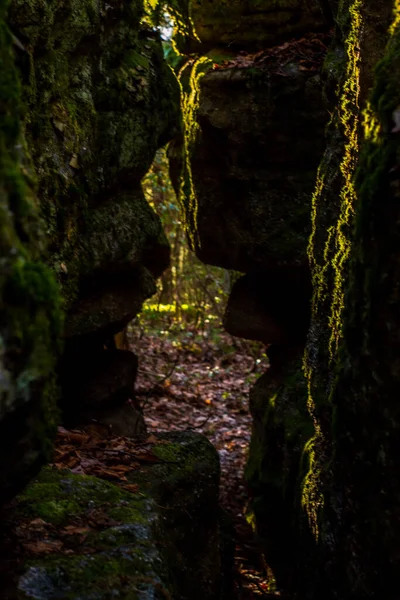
(30,305)
(275,469)
(161,541)
(259,136)
(99,99)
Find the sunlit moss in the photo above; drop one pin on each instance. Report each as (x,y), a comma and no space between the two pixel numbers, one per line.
(190,100)
(179,11)
(396,18)
(312,500)
(349,118)
(329,271)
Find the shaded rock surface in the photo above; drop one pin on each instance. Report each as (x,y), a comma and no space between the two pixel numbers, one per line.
(256,23)
(254,164)
(101,389)
(86,99)
(161,541)
(271,306)
(328,513)
(30,311)
(322,468)
(100,100)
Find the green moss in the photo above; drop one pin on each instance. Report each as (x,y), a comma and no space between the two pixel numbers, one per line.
(30,310)
(169,452)
(136,545)
(55,496)
(278,441)
(190,79)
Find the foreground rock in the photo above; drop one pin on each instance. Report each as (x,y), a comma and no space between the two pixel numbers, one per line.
(86,98)
(83,537)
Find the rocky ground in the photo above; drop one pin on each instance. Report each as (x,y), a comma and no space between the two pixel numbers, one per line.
(199,379)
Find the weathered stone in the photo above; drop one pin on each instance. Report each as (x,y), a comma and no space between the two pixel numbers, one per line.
(341,531)
(98,386)
(364,488)
(254,164)
(281,428)
(106,308)
(81,116)
(100,100)
(256,23)
(160,542)
(30,312)
(100,378)
(270,306)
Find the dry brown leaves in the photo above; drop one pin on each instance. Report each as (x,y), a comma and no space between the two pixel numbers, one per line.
(307,52)
(92,451)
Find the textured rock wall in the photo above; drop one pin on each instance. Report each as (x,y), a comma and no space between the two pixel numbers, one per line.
(354,398)
(30,313)
(322,467)
(83,110)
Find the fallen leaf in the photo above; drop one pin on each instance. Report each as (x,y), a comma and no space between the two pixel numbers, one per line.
(131,487)
(43,546)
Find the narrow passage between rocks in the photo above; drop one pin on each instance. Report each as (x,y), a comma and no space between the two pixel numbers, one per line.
(188,381)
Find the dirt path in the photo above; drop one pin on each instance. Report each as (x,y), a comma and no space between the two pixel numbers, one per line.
(201,382)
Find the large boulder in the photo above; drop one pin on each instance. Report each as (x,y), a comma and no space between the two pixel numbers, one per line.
(86,98)
(341,526)
(81,537)
(261,135)
(30,304)
(99,101)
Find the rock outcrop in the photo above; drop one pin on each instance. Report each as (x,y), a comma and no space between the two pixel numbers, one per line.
(160,541)
(87,99)
(30,311)
(255,24)
(322,466)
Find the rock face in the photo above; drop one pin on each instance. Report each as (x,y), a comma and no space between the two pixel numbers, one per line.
(161,541)
(30,312)
(261,137)
(86,99)
(323,469)
(96,113)
(256,23)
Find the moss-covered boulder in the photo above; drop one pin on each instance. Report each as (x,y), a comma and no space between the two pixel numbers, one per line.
(253,166)
(364,485)
(278,462)
(256,23)
(86,538)
(343,538)
(30,312)
(99,100)
(86,99)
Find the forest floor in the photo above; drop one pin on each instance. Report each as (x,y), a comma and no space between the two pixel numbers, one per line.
(191,379)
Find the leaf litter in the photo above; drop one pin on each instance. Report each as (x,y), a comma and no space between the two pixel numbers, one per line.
(207,388)
(191,381)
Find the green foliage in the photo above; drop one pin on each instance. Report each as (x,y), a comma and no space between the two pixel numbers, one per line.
(189,291)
